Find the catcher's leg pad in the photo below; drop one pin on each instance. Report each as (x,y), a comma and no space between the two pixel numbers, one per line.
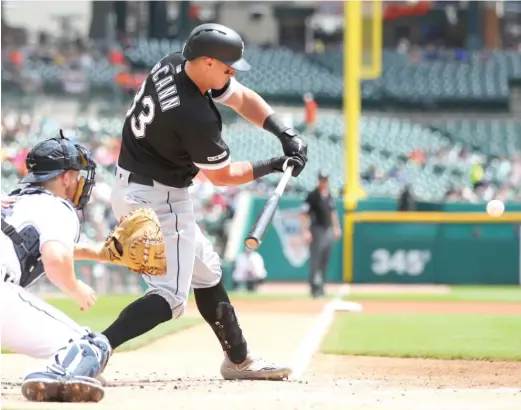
(70,377)
(137,242)
(85,357)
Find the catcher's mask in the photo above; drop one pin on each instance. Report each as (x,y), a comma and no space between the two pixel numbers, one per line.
(53,157)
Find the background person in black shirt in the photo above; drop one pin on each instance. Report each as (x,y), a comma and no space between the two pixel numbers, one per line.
(321,228)
(171,132)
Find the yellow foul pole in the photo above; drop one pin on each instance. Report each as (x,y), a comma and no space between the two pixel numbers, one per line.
(351,108)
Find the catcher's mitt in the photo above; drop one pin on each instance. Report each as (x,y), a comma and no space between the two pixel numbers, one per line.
(137,242)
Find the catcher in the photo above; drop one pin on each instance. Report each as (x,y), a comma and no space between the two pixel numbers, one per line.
(39,229)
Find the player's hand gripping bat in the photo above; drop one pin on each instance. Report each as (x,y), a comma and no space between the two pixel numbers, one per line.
(261,225)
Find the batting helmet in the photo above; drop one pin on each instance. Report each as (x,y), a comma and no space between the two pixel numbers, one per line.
(216,41)
(53,157)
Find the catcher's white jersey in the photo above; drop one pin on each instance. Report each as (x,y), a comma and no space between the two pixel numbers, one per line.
(54,218)
(30,325)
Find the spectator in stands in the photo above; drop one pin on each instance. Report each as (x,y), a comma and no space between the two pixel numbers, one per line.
(452,195)
(320,228)
(311,108)
(398,173)
(249,271)
(372,174)
(476,175)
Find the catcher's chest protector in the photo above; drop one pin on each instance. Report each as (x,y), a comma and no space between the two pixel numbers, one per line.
(27,247)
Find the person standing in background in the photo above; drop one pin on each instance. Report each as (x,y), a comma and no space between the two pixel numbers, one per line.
(249,270)
(320,228)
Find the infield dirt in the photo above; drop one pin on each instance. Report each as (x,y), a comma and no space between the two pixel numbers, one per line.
(182,371)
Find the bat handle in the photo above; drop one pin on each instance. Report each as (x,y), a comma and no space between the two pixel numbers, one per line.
(284,181)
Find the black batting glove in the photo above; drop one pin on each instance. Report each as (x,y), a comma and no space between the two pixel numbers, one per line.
(280,164)
(293,145)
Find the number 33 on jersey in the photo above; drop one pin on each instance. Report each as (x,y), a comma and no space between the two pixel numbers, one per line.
(143,108)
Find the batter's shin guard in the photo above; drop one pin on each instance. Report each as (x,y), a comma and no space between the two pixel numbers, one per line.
(230,333)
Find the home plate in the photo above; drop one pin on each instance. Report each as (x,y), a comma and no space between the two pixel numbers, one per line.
(345,306)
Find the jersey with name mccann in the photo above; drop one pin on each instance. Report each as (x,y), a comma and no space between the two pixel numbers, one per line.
(55,220)
(172,130)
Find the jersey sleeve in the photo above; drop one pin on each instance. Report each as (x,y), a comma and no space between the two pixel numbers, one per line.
(224,93)
(203,142)
(60,224)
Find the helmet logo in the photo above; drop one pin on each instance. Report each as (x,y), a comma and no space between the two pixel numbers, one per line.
(242,49)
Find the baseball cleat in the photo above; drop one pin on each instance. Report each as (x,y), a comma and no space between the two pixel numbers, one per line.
(253,369)
(102,380)
(50,387)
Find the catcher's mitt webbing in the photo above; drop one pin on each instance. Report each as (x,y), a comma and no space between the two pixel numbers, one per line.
(137,242)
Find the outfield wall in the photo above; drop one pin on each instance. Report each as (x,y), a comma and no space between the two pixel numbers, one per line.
(383,252)
(401,252)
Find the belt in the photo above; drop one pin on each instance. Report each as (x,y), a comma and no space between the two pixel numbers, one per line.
(140,179)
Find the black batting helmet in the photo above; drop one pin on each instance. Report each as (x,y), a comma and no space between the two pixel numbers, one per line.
(216,41)
(52,157)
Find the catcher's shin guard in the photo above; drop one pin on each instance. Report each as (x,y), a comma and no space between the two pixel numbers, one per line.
(71,375)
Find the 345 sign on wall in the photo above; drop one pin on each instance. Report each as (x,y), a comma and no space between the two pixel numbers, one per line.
(411,262)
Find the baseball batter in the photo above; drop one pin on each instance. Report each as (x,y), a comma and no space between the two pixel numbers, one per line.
(171,132)
(39,232)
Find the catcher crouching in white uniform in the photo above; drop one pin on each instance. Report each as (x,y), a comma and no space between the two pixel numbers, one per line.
(39,231)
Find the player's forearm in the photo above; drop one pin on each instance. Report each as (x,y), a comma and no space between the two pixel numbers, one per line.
(59,267)
(88,252)
(239,173)
(253,107)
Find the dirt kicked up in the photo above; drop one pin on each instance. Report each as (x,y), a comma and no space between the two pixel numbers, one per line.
(182,371)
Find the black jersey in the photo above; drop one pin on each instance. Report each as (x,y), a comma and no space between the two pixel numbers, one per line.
(171,129)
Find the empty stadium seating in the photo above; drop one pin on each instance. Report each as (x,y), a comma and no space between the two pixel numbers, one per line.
(283,75)
(499,138)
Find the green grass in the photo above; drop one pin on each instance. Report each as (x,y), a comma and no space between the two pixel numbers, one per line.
(246,296)
(498,294)
(107,309)
(426,335)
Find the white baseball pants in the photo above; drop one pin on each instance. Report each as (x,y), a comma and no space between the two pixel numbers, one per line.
(191,259)
(31,326)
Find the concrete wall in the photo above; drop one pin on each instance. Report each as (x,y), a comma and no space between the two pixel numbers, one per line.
(237,16)
(38,15)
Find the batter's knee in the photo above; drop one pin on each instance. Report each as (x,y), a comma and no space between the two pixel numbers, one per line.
(207,272)
(176,301)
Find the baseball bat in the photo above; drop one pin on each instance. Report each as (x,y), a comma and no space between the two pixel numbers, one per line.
(261,225)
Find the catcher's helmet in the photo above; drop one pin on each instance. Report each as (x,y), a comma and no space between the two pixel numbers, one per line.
(216,41)
(52,157)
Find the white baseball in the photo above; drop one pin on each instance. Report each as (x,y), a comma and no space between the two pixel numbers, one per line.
(495,208)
